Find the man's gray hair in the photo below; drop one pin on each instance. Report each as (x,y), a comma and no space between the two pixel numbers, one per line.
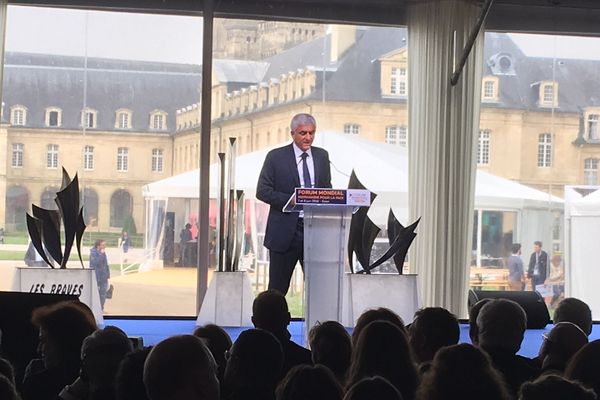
(302,119)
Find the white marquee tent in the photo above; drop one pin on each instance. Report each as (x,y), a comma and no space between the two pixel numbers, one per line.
(582,253)
(382,168)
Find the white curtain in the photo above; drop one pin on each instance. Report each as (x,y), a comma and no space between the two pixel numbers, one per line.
(444,123)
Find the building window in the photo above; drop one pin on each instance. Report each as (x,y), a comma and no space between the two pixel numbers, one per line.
(88,158)
(548,94)
(52,156)
(18,116)
(398,82)
(489,89)
(53,117)
(158,121)
(545,150)
(17,155)
(122,159)
(157,160)
(353,129)
(592,124)
(397,135)
(590,171)
(483,147)
(88,118)
(123,119)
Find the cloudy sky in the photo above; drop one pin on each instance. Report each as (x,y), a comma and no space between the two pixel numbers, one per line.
(178,39)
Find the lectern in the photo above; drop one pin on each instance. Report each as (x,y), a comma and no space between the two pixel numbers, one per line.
(327,214)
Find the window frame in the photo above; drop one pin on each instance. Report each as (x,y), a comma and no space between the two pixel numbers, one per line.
(18,108)
(120,122)
(157,164)
(544,152)
(52,156)
(351,128)
(47,118)
(484,147)
(85,120)
(17,155)
(88,158)
(123,159)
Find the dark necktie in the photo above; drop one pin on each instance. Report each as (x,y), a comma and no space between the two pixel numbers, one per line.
(305,172)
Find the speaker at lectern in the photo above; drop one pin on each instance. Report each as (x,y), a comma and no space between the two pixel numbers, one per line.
(327,214)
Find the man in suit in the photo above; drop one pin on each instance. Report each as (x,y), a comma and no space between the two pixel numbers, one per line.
(537,265)
(298,164)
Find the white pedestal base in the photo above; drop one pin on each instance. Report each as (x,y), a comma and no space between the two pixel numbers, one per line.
(399,293)
(76,281)
(228,300)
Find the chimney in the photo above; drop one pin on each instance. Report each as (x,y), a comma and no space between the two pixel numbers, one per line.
(342,38)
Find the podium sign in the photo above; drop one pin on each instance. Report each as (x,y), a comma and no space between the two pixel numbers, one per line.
(327,214)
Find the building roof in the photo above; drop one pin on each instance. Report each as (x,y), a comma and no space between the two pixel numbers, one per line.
(38,81)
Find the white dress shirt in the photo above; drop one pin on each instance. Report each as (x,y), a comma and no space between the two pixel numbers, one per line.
(310,163)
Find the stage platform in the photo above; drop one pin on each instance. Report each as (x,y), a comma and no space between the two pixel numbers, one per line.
(155,330)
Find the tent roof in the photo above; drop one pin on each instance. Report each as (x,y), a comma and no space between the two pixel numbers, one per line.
(381,167)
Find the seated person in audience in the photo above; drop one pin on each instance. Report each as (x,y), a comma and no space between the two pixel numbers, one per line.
(584,366)
(62,328)
(218,342)
(383,350)
(305,382)
(376,314)
(7,370)
(432,329)
(270,312)
(473,313)
(462,372)
(575,311)
(129,381)
(181,368)
(7,389)
(331,346)
(502,324)
(373,388)
(101,354)
(559,345)
(554,387)
(254,366)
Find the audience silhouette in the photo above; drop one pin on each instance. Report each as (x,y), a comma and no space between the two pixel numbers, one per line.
(331,346)
(181,368)
(309,382)
(270,312)
(379,361)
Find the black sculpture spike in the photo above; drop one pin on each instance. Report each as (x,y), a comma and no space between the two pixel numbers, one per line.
(50,232)
(357,224)
(79,234)
(399,247)
(394,229)
(68,204)
(369,233)
(34,227)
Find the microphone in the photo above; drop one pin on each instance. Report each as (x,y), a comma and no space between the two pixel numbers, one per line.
(336,168)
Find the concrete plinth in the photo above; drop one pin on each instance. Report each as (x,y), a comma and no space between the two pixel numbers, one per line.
(228,300)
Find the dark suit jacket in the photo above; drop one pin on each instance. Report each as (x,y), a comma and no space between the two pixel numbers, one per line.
(276,183)
(543,264)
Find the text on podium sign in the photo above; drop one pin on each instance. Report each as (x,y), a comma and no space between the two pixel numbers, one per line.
(351,197)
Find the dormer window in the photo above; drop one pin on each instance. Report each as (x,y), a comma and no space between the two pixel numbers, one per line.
(592,127)
(489,89)
(18,115)
(88,118)
(398,82)
(123,120)
(53,117)
(548,94)
(158,120)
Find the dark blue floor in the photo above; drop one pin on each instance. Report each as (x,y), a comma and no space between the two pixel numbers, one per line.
(154,331)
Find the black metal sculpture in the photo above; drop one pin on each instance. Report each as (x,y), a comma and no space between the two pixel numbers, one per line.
(363,233)
(44,225)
